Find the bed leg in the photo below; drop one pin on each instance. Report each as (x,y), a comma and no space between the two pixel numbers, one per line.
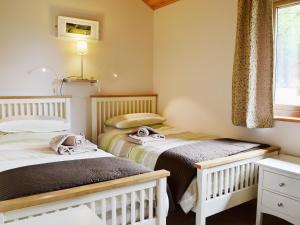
(259,215)
(202,185)
(161,212)
(1,218)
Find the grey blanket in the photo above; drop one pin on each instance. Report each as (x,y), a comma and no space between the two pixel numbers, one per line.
(180,161)
(48,177)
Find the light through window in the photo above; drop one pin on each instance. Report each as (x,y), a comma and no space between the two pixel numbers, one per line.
(287,77)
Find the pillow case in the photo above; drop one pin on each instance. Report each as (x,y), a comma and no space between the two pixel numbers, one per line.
(134,120)
(34,125)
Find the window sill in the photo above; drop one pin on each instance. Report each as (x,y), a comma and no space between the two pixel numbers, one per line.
(287,119)
(287,113)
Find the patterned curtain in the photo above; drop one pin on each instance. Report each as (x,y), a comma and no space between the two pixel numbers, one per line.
(252,84)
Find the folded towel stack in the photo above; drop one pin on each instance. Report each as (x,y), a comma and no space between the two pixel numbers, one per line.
(144,135)
(69,144)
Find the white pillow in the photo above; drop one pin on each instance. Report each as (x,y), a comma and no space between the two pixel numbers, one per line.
(35,126)
(134,120)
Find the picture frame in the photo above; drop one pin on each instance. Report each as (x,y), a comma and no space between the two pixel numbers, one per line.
(75,28)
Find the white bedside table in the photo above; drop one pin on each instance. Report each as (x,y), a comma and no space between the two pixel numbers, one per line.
(77,216)
(279,188)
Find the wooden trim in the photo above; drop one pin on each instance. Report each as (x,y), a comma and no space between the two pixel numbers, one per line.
(125,95)
(287,119)
(234,158)
(283,3)
(156,4)
(34,97)
(287,112)
(69,80)
(54,196)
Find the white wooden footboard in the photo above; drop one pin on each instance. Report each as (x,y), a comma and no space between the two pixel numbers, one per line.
(139,200)
(224,185)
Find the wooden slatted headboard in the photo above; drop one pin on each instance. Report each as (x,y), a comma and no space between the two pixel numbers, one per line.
(107,106)
(27,106)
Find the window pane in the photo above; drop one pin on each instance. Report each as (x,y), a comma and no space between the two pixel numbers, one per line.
(287,90)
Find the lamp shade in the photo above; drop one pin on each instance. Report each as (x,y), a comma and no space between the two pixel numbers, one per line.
(82,48)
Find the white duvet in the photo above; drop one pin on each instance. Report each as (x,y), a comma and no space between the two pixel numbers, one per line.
(24,149)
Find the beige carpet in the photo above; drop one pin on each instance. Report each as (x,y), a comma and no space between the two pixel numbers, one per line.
(241,215)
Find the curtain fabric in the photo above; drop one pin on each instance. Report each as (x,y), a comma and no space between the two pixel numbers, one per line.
(252,84)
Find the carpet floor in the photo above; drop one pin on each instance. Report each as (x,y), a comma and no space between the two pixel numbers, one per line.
(241,215)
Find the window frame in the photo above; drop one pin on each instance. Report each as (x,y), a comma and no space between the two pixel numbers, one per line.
(286,113)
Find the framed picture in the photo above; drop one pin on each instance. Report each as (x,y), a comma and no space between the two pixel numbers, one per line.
(78,28)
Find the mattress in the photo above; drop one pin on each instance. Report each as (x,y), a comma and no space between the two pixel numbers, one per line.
(114,142)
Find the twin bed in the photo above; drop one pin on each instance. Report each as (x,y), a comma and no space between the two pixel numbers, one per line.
(219,183)
(28,167)
(141,198)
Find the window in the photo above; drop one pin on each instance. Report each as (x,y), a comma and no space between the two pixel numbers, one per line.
(287,60)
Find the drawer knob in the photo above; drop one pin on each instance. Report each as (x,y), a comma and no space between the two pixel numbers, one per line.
(281,184)
(280,204)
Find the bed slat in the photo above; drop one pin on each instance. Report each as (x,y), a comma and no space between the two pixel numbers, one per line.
(103,210)
(124,210)
(113,211)
(232,176)
(150,203)
(132,203)
(209,186)
(226,184)
(252,174)
(237,180)
(142,205)
(22,106)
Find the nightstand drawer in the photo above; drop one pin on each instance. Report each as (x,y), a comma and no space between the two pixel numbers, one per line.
(281,204)
(282,184)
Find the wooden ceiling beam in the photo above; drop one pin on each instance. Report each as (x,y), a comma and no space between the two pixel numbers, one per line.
(156,4)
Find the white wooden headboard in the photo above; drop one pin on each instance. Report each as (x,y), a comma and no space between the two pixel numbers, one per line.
(49,106)
(107,106)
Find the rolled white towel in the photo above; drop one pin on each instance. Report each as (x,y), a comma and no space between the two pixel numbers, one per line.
(142,132)
(74,140)
(68,144)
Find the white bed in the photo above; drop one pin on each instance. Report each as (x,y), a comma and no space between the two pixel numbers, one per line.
(220,184)
(119,146)
(122,201)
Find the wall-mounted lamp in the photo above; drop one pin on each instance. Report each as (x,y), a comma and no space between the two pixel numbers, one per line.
(82,50)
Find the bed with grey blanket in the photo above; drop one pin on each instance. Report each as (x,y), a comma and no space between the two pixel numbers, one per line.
(42,178)
(180,161)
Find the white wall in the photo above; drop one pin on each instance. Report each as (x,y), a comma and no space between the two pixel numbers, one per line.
(193,59)
(28,41)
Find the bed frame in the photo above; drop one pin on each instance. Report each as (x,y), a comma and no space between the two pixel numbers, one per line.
(222,183)
(140,199)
